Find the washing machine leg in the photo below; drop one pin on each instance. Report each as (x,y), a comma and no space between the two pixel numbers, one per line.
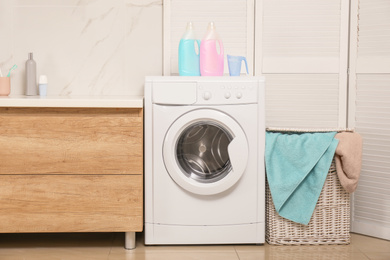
(130,240)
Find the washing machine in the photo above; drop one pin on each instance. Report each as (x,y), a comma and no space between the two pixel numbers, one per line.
(204,160)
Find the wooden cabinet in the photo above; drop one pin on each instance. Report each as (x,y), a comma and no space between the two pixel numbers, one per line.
(71,169)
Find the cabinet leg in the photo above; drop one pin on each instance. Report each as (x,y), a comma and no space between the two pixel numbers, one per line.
(130,240)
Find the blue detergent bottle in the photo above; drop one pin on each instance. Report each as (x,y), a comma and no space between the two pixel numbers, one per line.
(189,53)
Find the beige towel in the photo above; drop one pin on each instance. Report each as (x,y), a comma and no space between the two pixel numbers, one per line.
(348,159)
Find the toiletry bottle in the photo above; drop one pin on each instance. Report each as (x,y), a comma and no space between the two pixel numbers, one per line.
(211,53)
(189,53)
(31,76)
(42,85)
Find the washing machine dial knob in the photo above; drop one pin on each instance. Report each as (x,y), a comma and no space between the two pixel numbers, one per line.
(227,95)
(206,95)
(238,95)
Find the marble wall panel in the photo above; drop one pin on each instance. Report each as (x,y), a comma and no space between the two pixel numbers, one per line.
(85,47)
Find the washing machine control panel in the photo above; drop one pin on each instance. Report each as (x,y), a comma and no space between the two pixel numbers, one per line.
(221,93)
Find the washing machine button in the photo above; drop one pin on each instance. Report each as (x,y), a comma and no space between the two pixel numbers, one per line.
(238,95)
(228,95)
(206,95)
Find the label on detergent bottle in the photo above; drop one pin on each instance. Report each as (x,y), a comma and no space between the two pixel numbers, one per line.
(211,59)
(189,53)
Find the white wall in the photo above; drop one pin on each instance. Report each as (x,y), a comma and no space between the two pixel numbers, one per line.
(85,47)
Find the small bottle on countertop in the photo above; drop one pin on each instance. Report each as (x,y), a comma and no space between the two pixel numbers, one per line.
(31,76)
(42,85)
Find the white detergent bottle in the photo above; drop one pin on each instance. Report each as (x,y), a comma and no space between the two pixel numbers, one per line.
(189,53)
(211,53)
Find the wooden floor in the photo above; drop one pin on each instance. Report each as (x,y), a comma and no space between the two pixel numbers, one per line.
(110,246)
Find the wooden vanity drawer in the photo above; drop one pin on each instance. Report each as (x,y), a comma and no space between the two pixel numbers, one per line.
(71,140)
(71,169)
(71,203)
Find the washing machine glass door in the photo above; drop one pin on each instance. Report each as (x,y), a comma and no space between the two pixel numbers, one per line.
(205,151)
(202,151)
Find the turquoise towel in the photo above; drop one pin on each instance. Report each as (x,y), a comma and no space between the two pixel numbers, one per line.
(297,165)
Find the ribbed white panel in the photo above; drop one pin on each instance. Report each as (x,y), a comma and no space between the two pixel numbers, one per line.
(234,21)
(372,120)
(303,54)
(302,100)
(374,36)
(301,36)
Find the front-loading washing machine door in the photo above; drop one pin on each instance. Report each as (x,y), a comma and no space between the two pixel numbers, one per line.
(205,151)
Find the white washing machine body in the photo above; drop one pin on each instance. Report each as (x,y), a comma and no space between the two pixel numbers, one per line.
(204,160)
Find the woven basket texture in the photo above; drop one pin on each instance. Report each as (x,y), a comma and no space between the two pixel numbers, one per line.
(329,224)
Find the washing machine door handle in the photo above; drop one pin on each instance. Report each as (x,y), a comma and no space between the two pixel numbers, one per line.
(238,154)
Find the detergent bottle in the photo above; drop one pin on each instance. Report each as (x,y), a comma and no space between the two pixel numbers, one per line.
(189,53)
(211,53)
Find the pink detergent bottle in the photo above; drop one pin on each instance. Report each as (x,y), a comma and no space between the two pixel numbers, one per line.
(211,53)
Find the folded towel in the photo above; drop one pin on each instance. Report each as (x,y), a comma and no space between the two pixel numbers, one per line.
(297,165)
(348,159)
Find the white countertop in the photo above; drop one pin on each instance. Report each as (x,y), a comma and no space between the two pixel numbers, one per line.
(72,101)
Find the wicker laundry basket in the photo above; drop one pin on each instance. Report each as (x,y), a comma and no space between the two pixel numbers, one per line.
(329,224)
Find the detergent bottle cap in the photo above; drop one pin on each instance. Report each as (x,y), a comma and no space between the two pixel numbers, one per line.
(189,33)
(42,79)
(189,26)
(211,33)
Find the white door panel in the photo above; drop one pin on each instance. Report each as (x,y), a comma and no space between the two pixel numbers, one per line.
(369,113)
